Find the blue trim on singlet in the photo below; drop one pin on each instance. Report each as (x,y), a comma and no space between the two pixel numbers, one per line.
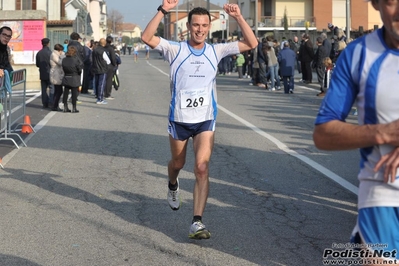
(196,52)
(173,102)
(370,115)
(178,44)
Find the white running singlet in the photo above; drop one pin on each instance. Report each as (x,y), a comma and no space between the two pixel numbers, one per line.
(367,73)
(193,79)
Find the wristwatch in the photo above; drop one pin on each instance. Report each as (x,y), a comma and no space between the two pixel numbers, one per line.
(160,8)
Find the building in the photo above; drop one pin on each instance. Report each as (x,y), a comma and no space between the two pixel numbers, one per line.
(131,31)
(268,15)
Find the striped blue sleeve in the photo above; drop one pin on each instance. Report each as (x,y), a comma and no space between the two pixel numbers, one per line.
(343,88)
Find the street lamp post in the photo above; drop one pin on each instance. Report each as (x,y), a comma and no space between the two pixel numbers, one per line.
(256,18)
(208,6)
(348,19)
(176,26)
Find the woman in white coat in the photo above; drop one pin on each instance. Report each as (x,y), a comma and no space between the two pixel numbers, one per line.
(56,74)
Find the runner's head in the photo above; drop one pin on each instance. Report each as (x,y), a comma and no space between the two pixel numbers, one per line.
(198,24)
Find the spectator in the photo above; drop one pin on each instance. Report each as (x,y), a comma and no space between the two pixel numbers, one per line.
(57,74)
(326,43)
(65,45)
(76,42)
(295,45)
(287,61)
(43,63)
(115,80)
(110,49)
(100,69)
(240,61)
(263,61)
(329,66)
(87,83)
(306,55)
(72,66)
(318,64)
(337,32)
(273,68)
(5,52)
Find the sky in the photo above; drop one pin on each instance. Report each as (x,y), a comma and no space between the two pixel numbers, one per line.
(140,11)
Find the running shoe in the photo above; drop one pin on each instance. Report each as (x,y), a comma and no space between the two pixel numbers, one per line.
(174,198)
(198,231)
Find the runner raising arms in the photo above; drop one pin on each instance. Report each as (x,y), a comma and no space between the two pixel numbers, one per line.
(193,106)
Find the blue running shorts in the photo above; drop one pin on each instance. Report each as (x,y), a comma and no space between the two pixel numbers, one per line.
(378,229)
(183,131)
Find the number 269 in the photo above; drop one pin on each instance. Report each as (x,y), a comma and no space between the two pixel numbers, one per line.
(195,103)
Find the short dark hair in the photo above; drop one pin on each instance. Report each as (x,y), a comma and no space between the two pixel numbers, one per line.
(5,28)
(109,39)
(319,39)
(58,47)
(198,11)
(75,36)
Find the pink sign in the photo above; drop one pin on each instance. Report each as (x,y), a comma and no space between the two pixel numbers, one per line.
(33,33)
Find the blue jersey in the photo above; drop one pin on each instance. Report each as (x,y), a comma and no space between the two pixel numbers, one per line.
(193,79)
(366,74)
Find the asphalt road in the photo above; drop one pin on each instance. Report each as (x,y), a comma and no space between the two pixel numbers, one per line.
(90,188)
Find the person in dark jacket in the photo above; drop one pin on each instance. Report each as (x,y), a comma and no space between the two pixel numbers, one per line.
(306,55)
(100,68)
(72,66)
(74,41)
(87,74)
(263,61)
(5,53)
(43,63)
(111,68)
(318,64)
(326,43)
(287,60)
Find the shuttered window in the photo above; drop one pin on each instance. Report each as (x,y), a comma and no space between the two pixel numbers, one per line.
(25,4)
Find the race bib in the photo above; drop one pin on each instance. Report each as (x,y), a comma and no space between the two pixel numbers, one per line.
(194,98)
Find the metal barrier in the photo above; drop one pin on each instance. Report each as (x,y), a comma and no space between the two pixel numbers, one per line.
(3,108)
(14,104)
(18,100)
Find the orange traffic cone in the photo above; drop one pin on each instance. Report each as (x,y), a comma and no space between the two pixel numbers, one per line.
(26,128)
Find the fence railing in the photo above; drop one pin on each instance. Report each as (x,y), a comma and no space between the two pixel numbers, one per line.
(12,104)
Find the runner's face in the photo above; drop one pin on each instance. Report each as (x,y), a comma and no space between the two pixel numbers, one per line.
(389,12)
(199,28)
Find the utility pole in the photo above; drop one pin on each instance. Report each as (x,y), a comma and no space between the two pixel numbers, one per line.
(256,18)
(348,20)
(208,6)
(176,26)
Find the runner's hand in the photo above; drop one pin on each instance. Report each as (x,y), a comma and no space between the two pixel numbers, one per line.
(169,4)
(232,10)
(391,163)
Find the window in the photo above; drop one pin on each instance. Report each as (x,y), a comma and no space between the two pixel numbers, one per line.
(25,5)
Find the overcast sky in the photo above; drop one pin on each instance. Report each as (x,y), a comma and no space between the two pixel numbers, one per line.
(140,11)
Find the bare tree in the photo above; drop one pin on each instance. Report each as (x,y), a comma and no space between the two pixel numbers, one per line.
(114,21)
